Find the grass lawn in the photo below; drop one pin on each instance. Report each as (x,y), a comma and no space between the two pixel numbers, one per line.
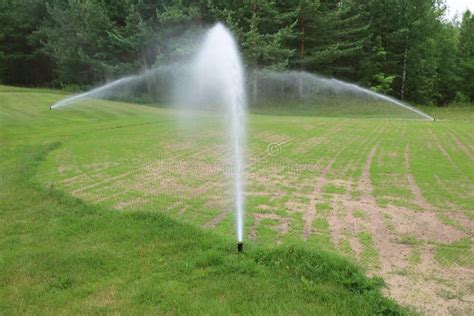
(62,254)
(110,206)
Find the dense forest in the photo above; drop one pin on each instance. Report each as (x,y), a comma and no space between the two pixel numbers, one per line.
(405,48)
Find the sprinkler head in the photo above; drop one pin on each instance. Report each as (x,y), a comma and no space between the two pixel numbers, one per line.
(50,108)
(240,246)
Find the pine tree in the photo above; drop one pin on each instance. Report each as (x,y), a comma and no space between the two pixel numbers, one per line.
(447,68)
(420,58)
(334,39)
(263,28)
(77,40)
(22,60)
(466,56)
(404,32)
(308,15)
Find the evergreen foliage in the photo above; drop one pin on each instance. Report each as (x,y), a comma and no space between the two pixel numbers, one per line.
(405,48)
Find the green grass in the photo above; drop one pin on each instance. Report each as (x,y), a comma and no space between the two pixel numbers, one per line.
(359,214)
(409,240)
(346,248)
(117,161)
(333,189)
(369,256)
(415,257)
(461,112)
(61,254)
(458,252)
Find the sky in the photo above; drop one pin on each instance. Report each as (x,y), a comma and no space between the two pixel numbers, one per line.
(459,6)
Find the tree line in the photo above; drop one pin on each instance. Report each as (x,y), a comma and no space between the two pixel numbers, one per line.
(404,48)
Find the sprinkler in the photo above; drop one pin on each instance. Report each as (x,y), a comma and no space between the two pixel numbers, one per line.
(240,246)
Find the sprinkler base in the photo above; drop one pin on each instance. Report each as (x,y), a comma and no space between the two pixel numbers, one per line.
(240,246)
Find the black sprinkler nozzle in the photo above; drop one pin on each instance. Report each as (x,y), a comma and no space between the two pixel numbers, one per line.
(240,246)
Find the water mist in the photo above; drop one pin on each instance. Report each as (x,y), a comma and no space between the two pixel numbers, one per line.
(218,77)
(215,77)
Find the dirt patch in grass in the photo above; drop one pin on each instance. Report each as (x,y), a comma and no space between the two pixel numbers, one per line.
(295,207)
(218,219)
(404,278)
(462,220)
(281,228)
(273,138)
(309,144)
(423,225)
(356,246)
(122,205)
(320,183)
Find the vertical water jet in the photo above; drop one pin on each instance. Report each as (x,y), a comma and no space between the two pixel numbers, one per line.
(219,78)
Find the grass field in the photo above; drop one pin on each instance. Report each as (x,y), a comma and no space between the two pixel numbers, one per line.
(115,207)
